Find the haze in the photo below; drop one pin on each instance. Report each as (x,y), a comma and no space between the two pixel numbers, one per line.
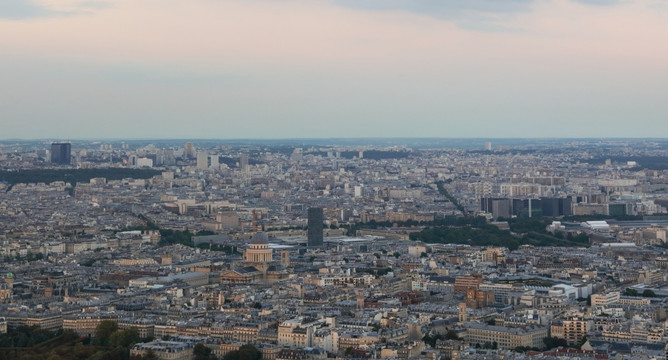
(327,68)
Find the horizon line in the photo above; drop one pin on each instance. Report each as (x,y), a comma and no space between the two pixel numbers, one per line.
(335,138)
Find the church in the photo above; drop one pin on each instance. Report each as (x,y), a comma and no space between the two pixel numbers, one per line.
(258,264)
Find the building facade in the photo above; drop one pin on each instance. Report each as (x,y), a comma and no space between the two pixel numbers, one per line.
(315,227)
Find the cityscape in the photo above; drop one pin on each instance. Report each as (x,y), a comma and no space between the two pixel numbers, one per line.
(375,248)
(333,179)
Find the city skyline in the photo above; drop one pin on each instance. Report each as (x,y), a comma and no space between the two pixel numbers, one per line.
(321,69)
(299,250)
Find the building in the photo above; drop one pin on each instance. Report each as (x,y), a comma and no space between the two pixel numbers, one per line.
(258,252)
(605,299)
(165,350)
(464,283)
(258,265)
(505,337)
(61,153)
(575,330)
(315,227)
(202,160)
(296,333)
(85,324)
(144,162)
(498,207)
(50,321)
(554,207)
(479,299)
(214,161)
(243,163)
(189,151)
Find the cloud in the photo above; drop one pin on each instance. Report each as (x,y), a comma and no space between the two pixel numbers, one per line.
(95,5)
(440,8)
(478,15)
(30,9)
(23,9)
(481,15)
(600,2)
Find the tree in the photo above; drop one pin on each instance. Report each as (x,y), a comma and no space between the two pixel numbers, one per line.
(452,335)
(630,292)
(124,338)
(245,352)
(553,342)
(104,330)
(202,352)
(149,355)
(648,293)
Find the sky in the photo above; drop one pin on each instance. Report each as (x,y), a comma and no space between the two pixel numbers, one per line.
(226,69)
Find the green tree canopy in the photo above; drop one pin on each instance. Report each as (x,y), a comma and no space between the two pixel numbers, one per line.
(630,292)
(648,293)
(104,330)
(124,338)
(202,352)
(245,352)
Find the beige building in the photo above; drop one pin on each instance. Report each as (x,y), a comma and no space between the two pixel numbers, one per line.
(164,350)
(46,321)
(504,337)
(85,324)
(295,333)
(605,299)
(357,341)
(464,283)
(575,330)
(144,327)
(259,251)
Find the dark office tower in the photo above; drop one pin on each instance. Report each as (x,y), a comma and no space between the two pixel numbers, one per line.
(553,207)
(61,153)
(566,206)
(315,219)
(550,207)
(497,207)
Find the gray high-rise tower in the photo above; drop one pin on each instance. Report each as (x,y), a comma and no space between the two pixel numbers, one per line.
(315,219)
(61,153)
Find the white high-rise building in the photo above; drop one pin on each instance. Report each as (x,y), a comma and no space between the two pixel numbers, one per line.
(213,159)
(202,160)
(189,150)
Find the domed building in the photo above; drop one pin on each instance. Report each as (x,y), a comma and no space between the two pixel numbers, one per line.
(259,252)
(258,264)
